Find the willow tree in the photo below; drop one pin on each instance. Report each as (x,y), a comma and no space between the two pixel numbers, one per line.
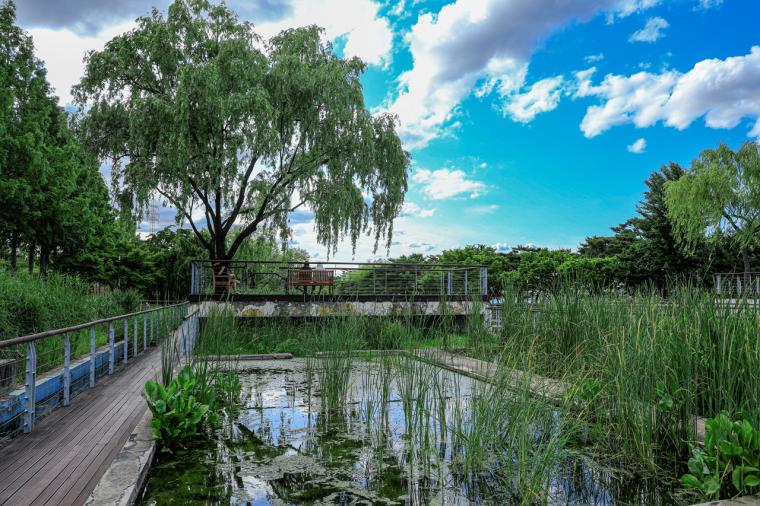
(718,197)
(236,132)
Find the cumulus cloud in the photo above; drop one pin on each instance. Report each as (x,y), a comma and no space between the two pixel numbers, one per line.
(367,34)
(62,39)
(443,184)
(652,30)
(638,146)
(542,96)
(62,50)
(478,45)
(723,91)
(412,209)
(83,17)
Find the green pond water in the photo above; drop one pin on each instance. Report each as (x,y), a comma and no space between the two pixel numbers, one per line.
(280,447)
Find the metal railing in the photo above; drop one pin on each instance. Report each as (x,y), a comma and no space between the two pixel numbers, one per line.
(244,277)
(40,372)
(737,285)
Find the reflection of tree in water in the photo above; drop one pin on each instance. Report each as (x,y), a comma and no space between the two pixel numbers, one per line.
(287,448)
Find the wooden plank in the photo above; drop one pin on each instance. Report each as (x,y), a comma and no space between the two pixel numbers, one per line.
(73,478)
(56,433)
(62,461)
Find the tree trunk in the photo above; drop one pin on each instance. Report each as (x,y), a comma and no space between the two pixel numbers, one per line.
(747,270)
(30,258)
(44,258)
(14,249)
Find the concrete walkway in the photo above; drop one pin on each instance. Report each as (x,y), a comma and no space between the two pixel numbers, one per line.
(62,460)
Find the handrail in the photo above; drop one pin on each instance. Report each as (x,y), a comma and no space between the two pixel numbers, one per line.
(380,264)
(81,326)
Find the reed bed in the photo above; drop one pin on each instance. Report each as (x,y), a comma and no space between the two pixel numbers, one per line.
(645,366)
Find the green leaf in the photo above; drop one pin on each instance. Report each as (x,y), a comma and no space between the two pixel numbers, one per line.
(690,481)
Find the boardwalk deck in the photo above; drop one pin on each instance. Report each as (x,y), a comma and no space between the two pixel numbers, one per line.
(63,459)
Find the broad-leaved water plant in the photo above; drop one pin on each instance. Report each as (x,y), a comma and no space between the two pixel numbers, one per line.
(729,463)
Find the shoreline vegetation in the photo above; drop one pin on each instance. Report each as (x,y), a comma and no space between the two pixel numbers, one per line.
(639,368)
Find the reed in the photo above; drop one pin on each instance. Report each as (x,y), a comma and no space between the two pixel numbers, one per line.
(652,363)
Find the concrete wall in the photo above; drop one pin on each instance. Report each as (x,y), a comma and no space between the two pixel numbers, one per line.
(316,308)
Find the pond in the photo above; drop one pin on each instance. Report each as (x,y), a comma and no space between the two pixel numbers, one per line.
(402,432)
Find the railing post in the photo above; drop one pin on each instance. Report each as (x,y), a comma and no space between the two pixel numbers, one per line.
(111,348)
(193,279)
(450,284)
(152,325)
(484,281)
(145,332)
(465,280)
(738,286)
(717,283)
(134,338)
(66,369)
(30,384)
(158,324)
(126,340)
(181,332)
(92,357)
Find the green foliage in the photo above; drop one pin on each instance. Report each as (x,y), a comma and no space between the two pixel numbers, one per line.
(719,196)
(729,463)
(30,303)
(658,363)
(177,415)
(287,122)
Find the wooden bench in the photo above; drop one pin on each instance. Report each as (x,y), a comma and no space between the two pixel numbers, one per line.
(223,282)
(304,278)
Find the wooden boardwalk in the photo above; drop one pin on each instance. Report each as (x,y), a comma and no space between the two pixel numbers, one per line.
(63,459)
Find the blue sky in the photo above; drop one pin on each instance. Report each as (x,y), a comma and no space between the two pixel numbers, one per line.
(528,121)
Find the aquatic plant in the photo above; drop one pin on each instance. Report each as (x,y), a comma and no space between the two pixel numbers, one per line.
(652,364)
(729,463)
(177,414)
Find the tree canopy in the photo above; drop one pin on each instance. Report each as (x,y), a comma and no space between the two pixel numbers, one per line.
(199,111)
(719,196)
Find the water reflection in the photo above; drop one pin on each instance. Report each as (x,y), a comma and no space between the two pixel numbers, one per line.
(381,447)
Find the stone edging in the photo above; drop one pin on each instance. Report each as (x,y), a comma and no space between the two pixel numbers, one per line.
(125,477)
(739,501)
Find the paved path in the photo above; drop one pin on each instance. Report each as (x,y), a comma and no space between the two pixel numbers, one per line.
(61,461)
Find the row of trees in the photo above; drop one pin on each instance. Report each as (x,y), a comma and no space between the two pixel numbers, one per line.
(52,198)
(55,208)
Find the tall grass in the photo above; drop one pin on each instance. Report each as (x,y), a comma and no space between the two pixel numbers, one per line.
(647,365)
(31,303)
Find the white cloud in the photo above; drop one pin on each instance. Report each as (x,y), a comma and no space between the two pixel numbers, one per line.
(63,50)
(651,31)
(628,7)
(542,96)
(368,35)
(638,146)
(710,4)
(481,210)
(412,209)
(442,184)
(482,46)
(723,91)
(593,58)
